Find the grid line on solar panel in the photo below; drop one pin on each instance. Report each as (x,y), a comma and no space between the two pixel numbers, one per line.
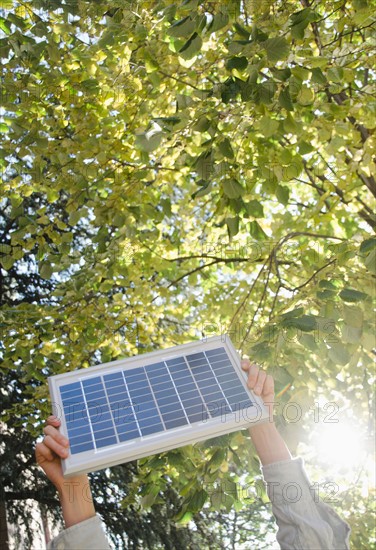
(196,414)
(86,440)
(133,410)
(235,390)
(146,428)
(165,389)
(202,371)
(99,412)
(110,409)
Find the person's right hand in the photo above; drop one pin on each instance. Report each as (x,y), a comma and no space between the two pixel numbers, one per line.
(261,383)
(50,452)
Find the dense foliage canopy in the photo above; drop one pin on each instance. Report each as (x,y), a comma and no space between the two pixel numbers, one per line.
(172,171)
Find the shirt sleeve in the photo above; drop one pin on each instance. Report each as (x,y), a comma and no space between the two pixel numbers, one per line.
(88,534)
(304,522)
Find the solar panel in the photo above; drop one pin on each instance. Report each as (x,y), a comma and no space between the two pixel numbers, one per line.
(135,407)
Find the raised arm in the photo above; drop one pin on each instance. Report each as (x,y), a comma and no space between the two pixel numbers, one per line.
(83,528)
(269,443)
(304,521)
(74,492)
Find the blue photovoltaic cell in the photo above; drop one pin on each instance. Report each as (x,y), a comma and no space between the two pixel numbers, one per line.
(121,407)
(114,408)
(207,382)
(166,396)
(79,431)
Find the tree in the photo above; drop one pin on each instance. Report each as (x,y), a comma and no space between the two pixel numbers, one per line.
(175,171)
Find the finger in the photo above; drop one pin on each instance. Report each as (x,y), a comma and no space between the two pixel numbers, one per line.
(52,444)
(245,363)
(252,375)
(259,386)
(43,453)
(53,421)
(269,386)
(56,436)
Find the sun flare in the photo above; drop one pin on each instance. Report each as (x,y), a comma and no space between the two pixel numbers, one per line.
(340,445)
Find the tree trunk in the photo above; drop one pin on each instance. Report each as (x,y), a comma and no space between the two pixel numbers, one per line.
(4,540)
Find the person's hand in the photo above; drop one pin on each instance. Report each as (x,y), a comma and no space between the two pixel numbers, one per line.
(50,452)
(74,491)
(261,383)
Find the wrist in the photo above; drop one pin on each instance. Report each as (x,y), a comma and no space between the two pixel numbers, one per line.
(76,500)
(70,487)
(267,426)
(269,444)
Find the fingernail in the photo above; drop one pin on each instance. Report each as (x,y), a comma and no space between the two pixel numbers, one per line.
(64,452)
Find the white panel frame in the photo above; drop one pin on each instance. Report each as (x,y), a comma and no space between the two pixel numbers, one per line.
(97,459)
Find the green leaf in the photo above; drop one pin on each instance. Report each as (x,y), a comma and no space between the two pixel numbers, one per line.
(184,27)
(325,294)
(204,190)
(5,248)
(232,188)
(352,295)
(191,47)
(306,323)
(4,25)
(335,74)
(217,498)
(282,193)
(203,165)
(368,245)
(306,96)
(74,218)
(197,501)
(305,148)
(370,261)
(339,354)
(254,208)
(276,48)
(285,99)
(201,125)
(225,148)
(281,74)
(327,284)
(219,21)
(256,231)
(258,35)
(308,341)
(300,21)
(230,89)
(241,30)
(119,219)
(7,4)
(239,63)
(351,334)
(318,76)
(45,270)
(266,91)
(7,261)
(268,126)
(232,226)
(217,459)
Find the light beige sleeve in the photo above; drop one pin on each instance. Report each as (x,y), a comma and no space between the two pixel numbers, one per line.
(88,534)
(304,521)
